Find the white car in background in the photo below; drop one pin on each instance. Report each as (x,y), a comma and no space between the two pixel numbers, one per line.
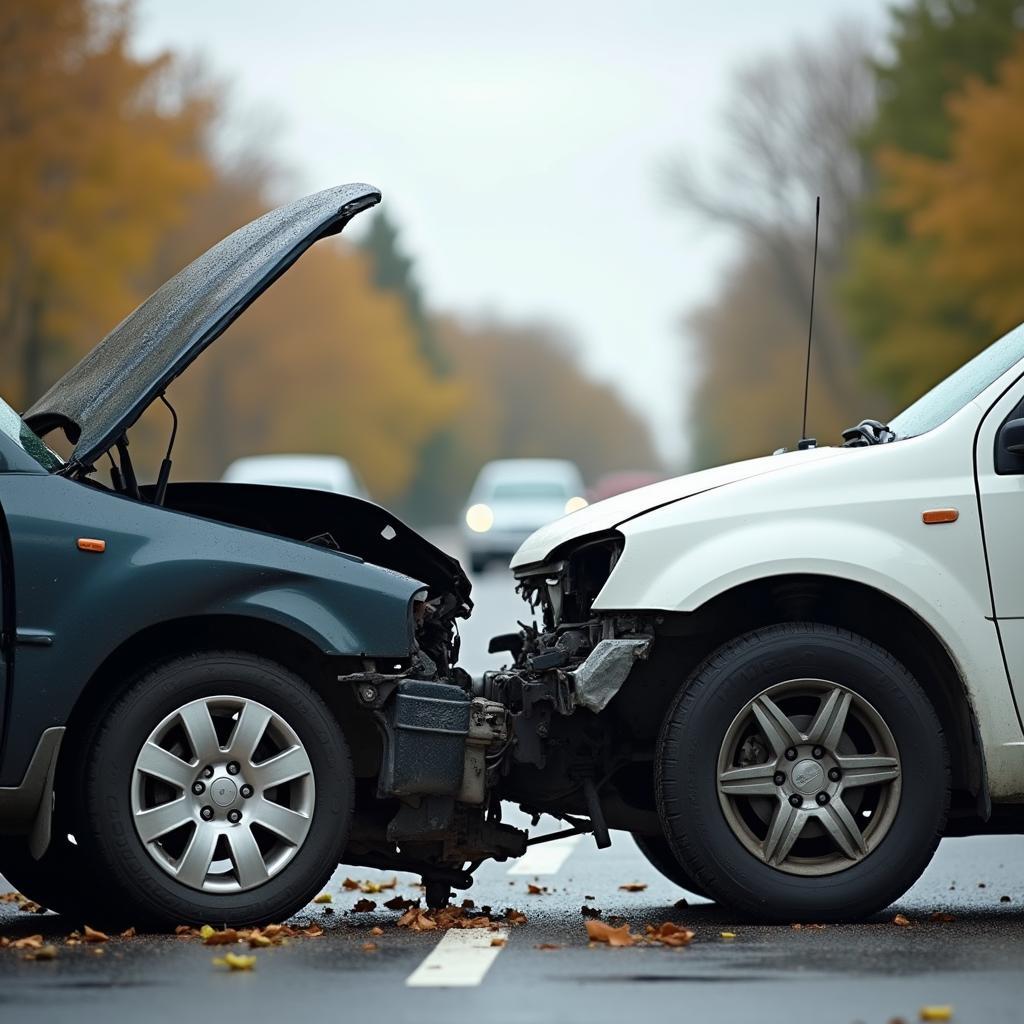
(312,472)
(513,497)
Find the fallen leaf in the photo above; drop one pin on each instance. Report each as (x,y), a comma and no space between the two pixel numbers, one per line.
(235,961)
(942,916)
(376,931)
(400,903)
(259,941)
(324,897)
(207,930)
(222,938)
(670,934)
(514,916)
(350,883)
(369,947)
(314,931)
(498,941)
(547,945)
(93,935)
(536,890)
(936,1013)
(42,953)
(633,887)
(590,911)
(363,906)
(901,920)
(28,942)
(128,933)
(599,931)
(728,935)
(796,927)
(185,929)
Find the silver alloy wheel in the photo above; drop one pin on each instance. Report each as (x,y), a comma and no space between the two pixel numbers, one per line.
(222,794)
(809,777)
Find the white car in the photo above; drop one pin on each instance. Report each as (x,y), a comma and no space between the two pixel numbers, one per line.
(510,499)
(313,472)
(816,658)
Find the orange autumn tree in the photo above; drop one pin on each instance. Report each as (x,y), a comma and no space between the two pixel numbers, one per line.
(99,151)
(968,205)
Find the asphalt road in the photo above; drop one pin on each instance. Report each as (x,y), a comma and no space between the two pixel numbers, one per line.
(871,972)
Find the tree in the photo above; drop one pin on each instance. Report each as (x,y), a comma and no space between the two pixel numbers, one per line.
(913,323)
(790,120)
(99,153)
(967,203)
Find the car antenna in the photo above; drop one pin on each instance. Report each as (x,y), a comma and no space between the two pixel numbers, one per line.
(806,442)
(165,467)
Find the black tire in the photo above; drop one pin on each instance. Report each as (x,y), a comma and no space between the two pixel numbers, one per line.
(147,893)
(658,852)
(686,774)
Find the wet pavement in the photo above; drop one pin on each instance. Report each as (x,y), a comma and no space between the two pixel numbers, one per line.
(875,971)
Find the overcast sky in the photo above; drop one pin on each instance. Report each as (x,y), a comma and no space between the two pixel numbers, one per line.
(518,145)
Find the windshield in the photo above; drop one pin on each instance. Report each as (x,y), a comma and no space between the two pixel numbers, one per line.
(530,490)
(26,439)
(961,387)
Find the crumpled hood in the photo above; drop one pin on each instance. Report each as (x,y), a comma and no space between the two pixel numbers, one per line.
(606,515)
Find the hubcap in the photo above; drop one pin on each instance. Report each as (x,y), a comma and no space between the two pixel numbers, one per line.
(809,777)
(213,837)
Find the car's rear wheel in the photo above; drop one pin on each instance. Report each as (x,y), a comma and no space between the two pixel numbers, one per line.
(218,789)
(803,775)
(658,852)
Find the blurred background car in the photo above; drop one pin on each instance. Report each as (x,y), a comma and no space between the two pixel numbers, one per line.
(513,497)
(313,472)
(618,483)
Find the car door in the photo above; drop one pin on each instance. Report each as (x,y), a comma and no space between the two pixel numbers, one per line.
(1000,477)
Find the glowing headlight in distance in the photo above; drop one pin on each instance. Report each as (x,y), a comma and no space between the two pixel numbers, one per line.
(575,504)
(479,518)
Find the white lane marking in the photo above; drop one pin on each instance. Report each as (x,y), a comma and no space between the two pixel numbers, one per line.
(460,959)
(545,858)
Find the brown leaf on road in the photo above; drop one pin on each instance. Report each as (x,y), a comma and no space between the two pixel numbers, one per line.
(599,931)
(942,916)
(400,903)
(369,947)
(363,906)
(513,916)
(128,933)
(670,934)
(314,931)
(222,938)
(547,945)
(42,953)
(350,883)
(633,887)
(185,930)
(902,921)
(258,941)
(536,890)
(28,942)
(498,941)
(376,931)
(93,935)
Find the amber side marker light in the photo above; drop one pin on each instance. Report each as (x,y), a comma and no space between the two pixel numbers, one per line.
(939,515)
(91,544)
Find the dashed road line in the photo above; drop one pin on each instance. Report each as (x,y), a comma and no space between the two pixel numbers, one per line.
(459,960)
(545,858)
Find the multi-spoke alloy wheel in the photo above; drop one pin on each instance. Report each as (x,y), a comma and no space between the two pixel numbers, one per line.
(802,774)
(223,793)
(809,777)
(218,788)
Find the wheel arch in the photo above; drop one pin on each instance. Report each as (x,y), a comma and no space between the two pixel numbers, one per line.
(687,638)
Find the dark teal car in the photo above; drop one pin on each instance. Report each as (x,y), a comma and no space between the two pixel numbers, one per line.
(214,693)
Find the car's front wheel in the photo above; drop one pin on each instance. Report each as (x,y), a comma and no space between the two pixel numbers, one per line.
(218,789)
(803,775)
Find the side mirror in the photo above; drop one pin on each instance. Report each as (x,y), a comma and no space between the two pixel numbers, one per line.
(1011,437)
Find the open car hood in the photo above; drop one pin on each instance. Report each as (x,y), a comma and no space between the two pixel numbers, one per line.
(101,397)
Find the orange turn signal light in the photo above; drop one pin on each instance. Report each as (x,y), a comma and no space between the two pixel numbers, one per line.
(91,544)
(939,515)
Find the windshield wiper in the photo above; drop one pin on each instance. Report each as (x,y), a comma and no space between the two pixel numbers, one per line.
(867,432)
